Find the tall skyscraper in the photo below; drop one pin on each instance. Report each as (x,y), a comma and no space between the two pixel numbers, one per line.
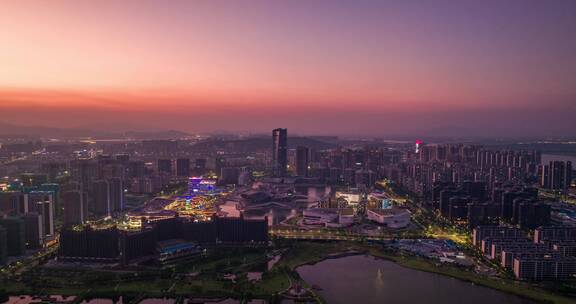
(43,204)
(3,246)
(165,166)
(279,151)
(46,211)
(15,235)
(229,175)
(136,169)
(302,161)
(74,208)
(84,171)
(116,189)
(53,169)
(557,175)
(568,174)
(34,230)
(219,163)
(200,166)
(10,202)
(183,167)
(32,198)
(101,198)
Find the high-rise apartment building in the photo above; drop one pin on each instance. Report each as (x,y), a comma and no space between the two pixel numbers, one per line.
(302,161)
(183,167)
(279,151)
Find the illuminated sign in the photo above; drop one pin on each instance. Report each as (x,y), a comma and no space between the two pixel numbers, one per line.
(386,204)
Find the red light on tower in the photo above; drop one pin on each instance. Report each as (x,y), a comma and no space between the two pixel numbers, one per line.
(418,143)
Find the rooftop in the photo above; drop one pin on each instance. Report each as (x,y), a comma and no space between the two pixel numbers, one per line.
(391,211)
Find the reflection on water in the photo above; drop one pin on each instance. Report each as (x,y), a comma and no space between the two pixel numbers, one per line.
(379,281)
(364,279)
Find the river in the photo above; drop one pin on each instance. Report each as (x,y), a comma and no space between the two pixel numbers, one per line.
(365,279)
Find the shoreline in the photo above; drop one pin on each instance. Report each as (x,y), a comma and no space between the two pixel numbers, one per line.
(311,253)
(526,292)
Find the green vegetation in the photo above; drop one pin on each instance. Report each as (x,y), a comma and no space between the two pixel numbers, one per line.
(438,227)
(309,253)
(301,253)
(223,273)
(3,296)
(510,286)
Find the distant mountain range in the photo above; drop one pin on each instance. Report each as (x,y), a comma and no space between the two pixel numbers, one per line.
(10,130)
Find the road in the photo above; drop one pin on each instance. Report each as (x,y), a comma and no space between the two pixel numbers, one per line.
(21,266)
(23,157)
(326,235)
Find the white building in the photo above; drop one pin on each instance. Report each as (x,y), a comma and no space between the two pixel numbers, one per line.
(41,202)
(329,217)
(393,218)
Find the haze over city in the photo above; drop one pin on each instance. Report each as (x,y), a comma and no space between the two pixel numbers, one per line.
(287,151)
(378,68)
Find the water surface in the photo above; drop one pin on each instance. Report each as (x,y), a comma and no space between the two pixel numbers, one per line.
(365,279)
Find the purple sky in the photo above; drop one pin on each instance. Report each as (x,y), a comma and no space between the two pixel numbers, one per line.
(435,67)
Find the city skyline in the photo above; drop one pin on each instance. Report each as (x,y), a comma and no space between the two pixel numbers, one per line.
(375,68)
(287,151)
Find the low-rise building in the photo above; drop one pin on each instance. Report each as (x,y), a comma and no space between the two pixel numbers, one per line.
(394,217)
(496,232)
(171,251)
(544,268)
(526,249)
(558,233)
(328,217)
(564,248)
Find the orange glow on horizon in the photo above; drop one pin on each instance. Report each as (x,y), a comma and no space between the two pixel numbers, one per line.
(367,66)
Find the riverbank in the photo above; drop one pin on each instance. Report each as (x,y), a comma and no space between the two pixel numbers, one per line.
(308,253)
(206,277)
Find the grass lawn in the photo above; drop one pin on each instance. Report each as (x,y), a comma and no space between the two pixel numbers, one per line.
(272,282)
(210,282)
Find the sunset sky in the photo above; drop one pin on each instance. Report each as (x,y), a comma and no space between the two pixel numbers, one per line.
(501,67)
